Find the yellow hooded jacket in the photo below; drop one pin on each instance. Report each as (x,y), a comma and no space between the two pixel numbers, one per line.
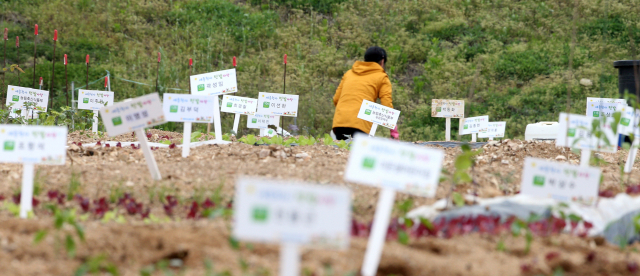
(365,81)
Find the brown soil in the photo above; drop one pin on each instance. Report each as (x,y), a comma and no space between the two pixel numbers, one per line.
(132,245)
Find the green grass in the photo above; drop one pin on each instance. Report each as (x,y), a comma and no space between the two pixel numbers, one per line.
(519,51)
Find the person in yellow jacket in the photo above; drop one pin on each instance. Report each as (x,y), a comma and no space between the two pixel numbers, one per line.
(366,80)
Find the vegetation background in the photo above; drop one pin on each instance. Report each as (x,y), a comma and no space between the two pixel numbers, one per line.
(508,59)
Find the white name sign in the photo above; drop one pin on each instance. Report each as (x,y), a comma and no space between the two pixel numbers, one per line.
(575,131)
(188,108)
(289,212)
(214,83)
(603,107)
(138,113)
(262,121)
(560,181)
(94,99)
(494,130)
(628,123)
(18,96)
(390,164)
(447,108)
(378,114)
(239,105)
(33,144)
(474,125)
(278,104)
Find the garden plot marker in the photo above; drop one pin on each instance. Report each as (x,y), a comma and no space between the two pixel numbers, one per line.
(629,125)
(66,80)
(279,105)
(390,165)
(238,106)
(215,84)
(379,115)
(474,125)
(95,100)
(18,96)
(292,214)
(494,130)
(447,109)
(135,115)
(575,132)
(31,145)
(35,44)
(263,122)
(53,67)
(188,109)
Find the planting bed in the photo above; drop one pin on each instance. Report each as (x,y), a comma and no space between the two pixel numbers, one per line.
(184,218)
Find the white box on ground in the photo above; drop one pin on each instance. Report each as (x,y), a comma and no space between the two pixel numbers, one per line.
(239,105)
(33,144)
(574,131)
(447,108)
(137,113)
(401,166)
(214,83)
(602,107)
(17,97)
(94,99)
(378,114)
(541,131)
(560,181)
(188,108)
(474,124)
(278,104)
(290,212)
(262,121)
(494,130)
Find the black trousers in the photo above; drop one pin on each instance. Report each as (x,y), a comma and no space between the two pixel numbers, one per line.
(343,133)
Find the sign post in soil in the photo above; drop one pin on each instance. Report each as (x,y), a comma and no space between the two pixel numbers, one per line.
(574,131)
(447,109)
(379,115)
(215,84)
(135,115)
(188,109)
(94,100)
(392,166)
(239,106)
(27,100)
(278,104)
(629,125)
(603,107)
(474,125)
(31,145)
(493,130)
(292,215)
(263,122)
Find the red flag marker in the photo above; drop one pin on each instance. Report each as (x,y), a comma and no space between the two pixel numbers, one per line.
(40,81)
(234,62)
(55,35)
(17,42)
(87,59)
(106,80)
(190,62)
(285,58)
(36,31)
(6,34)
(65,59)
(158,56)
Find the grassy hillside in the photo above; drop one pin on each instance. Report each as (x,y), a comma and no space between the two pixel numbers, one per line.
(507,58)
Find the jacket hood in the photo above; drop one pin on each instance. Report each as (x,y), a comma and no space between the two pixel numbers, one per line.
(365,68)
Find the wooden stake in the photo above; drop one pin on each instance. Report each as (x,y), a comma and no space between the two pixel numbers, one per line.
(158,72)
(190,73)
(4,63)
(53,68)
(66,80)
(35,44)
(18,56)
(87,61)
(284,89)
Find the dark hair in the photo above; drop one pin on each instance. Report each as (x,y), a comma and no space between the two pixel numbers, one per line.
(375,54)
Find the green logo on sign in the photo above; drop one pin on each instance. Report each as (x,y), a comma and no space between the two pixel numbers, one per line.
(596,114)
(229,104)
(538,180)
(265,104)
(369,163)
(625,121)
(254,120)
(466,126)
(116,121)
(200,87)
(85,100)
(260,214)
(438,109)
(368,112)
(8,145)
(15,98)
(571,132)
(173,109)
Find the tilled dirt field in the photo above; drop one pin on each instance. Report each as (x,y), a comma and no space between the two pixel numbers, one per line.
(210,171)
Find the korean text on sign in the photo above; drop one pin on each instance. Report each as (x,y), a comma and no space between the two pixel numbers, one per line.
(94,99)
(474,125)
(33,144)
(214,83)
(628,123)
(447,108)
(560,181)
(397,165)
(575,131)
(278,104)
(188,108)
(138,113)
(494,130)
(602,107)
(378,114)
(239,105)
(262,121)
(19,97)
(276,212)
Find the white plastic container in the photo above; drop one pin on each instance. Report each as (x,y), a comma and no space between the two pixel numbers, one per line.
(542,131)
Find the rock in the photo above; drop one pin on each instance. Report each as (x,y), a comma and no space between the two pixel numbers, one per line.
(506,162)
(264,153)
(74,148)
(493,143)
(586,82)
(303,156)
(129,183)
(273,147)
(561,158)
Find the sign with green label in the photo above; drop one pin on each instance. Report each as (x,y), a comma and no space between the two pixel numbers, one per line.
(173,109)
(200,87)
(596,114)
(116,121)
(265,104)
(625,121)
(260,214)
(369,163)
(368,112)
(229,104)
(85,100)
(9,145)
(571,132)
(15,98)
